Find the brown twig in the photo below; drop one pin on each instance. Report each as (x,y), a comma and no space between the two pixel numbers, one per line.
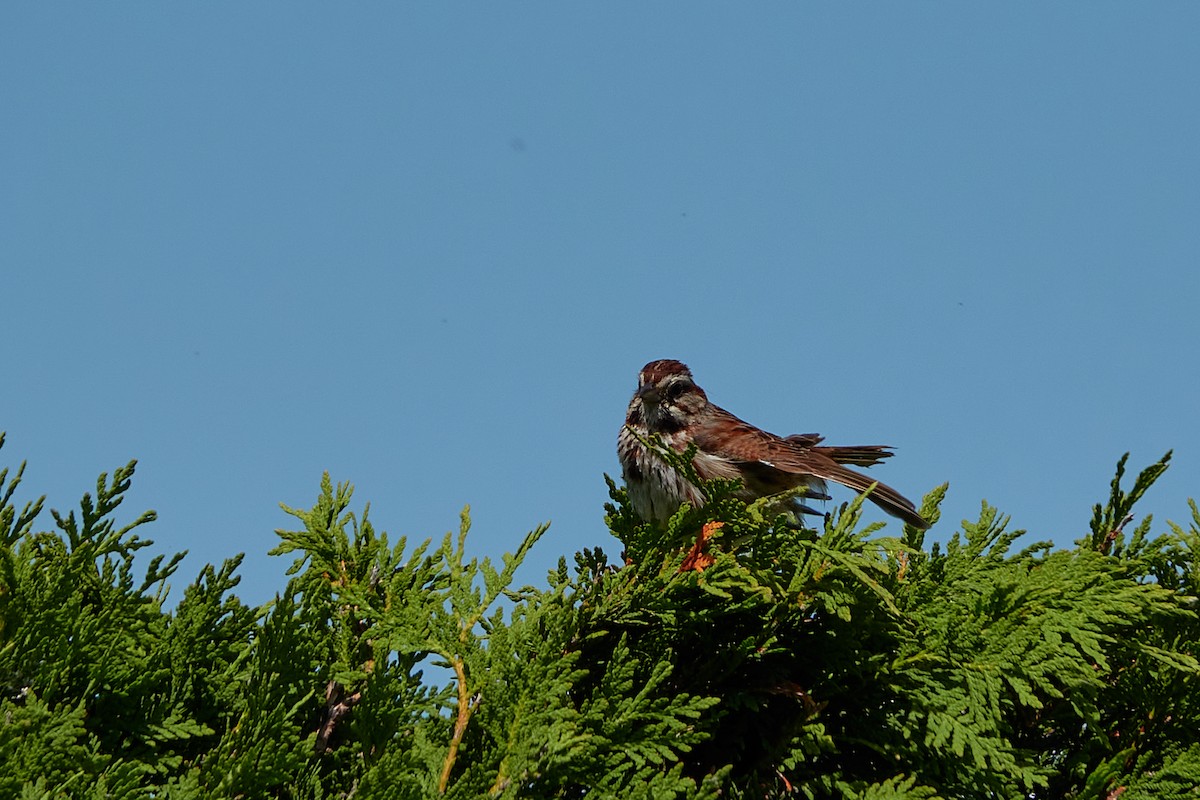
(336,707)
(465,708)
(1112,535)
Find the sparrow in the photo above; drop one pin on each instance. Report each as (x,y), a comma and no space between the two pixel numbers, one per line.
(668,404)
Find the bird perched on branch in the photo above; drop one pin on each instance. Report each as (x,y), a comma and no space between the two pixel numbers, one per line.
(668,404)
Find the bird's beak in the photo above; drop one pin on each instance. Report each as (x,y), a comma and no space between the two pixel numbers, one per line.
(648,393)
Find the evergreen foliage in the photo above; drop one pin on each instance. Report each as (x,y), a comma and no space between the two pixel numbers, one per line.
(730,653)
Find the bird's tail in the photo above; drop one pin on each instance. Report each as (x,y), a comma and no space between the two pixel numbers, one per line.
(882,495)
(864,455)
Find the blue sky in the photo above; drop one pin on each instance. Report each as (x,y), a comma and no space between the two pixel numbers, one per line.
(427,247)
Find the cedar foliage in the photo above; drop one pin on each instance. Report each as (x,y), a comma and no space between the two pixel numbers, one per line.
(767,661)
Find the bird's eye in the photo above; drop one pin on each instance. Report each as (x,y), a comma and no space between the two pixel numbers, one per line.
(675,390)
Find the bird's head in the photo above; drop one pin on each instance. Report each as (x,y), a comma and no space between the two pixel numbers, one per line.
(668,396)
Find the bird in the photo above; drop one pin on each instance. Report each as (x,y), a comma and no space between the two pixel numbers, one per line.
(669,405)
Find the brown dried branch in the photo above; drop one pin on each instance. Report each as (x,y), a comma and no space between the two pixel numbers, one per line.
(466,706)
(336,707)
(1112,535)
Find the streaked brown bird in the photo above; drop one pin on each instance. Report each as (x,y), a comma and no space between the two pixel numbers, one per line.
(670,405)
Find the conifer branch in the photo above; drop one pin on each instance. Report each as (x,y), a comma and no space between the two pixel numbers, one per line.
(731,654)
(466,706)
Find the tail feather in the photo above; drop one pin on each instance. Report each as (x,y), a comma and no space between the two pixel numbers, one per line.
(882,495)
(859,455)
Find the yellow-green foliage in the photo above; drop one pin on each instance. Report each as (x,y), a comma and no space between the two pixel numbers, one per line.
(783,662)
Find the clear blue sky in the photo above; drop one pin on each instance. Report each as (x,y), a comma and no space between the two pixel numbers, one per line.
(427,247)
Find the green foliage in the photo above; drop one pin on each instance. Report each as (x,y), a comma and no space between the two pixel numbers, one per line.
(730,653)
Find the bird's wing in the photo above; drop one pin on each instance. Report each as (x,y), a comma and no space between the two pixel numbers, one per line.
(724,435)
(766,460)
